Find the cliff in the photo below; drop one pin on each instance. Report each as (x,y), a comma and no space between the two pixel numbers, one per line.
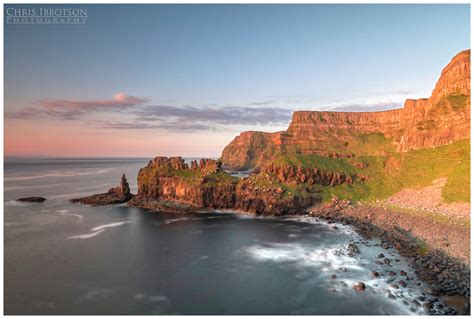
(439,120)
(169,184)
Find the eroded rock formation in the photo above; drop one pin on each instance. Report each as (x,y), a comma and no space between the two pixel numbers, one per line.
(115,195)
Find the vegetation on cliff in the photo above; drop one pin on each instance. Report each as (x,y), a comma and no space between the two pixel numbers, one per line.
(385,175)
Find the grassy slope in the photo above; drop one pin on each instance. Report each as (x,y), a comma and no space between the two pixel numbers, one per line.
(391,173)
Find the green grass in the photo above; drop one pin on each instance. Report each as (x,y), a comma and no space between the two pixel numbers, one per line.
(220,178)
(343,165)
(414,169)
(371,144)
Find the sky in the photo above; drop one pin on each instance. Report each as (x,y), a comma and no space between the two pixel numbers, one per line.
(148,80)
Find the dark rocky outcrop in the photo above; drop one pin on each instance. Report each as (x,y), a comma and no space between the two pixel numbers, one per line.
(33,199)
(115,195)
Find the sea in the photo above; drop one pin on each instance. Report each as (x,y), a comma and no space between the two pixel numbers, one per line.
(64,258)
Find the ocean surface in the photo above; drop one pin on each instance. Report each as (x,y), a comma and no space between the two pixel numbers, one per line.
(63,258)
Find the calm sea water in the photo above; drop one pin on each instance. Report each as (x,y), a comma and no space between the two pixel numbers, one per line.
(63,258)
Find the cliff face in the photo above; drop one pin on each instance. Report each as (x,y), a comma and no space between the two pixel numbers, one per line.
(171,179)
(204,185)
(246,150)
(424,123)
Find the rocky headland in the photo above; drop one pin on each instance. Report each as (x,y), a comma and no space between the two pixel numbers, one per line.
(205,185)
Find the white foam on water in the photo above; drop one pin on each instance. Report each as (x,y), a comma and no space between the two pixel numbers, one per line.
(94,295)
(150,298)
(16,203)
(65,212)
(86,236)
(139,297)
(345,229)
(330,260)
(157,298)
(102,227)
(169,221)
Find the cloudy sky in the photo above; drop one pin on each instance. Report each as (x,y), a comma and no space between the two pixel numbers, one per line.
(146,80)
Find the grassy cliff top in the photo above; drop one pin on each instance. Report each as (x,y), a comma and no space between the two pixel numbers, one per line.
(393,172)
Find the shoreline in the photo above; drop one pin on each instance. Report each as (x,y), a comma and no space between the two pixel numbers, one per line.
(447,276)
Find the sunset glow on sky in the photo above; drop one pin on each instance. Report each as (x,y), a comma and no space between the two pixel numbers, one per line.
(184,80)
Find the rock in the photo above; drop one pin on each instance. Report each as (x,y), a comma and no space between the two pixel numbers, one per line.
(33,199)
(360,286)
(432,291)
(386,261)
(392,273)
(380,255)
(395,286)
(375,274)
(115,195)
(403,273)
(333,276)
(402,283)
(428,306)
(353,249)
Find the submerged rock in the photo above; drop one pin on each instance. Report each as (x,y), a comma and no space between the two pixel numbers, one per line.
(115,195)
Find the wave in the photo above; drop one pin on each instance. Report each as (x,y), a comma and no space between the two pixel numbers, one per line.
(336,260)
(86,236)
(174,220)
(98,230)
(150,298)
(65,212)
(103,227)
(328,258)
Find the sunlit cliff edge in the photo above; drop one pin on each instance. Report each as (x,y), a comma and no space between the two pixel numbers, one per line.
(439,120)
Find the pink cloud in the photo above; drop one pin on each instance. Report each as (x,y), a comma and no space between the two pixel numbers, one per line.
(74,109)
(120,100)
